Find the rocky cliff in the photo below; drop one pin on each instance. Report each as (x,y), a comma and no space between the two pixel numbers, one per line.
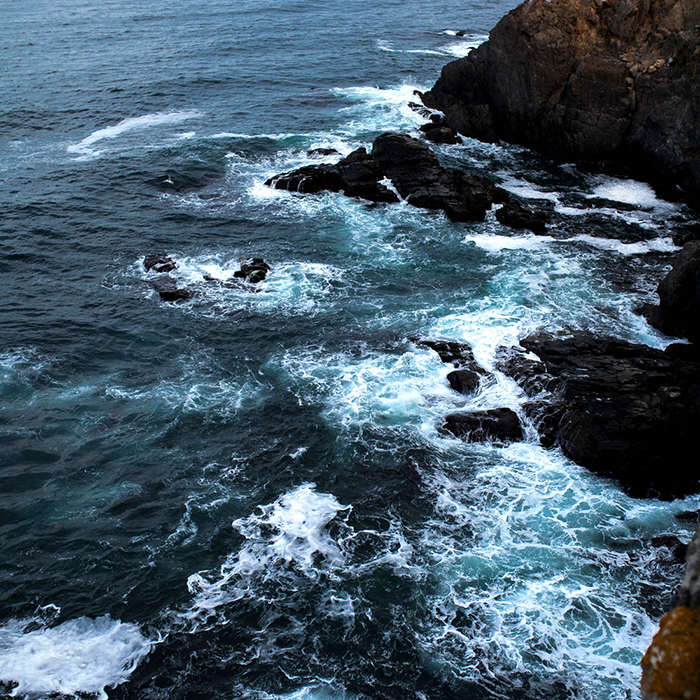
(591,80)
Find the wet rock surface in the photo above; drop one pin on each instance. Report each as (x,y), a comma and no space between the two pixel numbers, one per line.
(517,215)
(496,425)
(678,312)
(621,410)
(413,170)
(604,82)
(159,263)
(169,289)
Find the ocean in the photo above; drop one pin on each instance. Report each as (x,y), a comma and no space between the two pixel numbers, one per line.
(248,494)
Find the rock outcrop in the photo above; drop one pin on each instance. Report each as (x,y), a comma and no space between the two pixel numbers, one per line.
(613,81)
(678,312)
(621,410)
(495,425)
(414,172)
(671,665)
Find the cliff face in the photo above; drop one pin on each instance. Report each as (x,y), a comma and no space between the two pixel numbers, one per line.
(592,80)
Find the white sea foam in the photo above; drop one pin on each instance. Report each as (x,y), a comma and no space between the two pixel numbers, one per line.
(198,388)
(525,189)
(657,245)
(84,148)
(465,45)
(535,589)
(291,287)
(379,109)
(629,192)
(78,657)
(287,537)
(495,243)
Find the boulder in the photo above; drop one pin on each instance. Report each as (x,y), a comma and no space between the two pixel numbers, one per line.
(438,132)
(159,263)
(414,171)
(516,215)
(496,425)
(678,312)
(252,270)
(357,175)
(168,290)
(586,80)
(323,152)
(458,354)
(621,410)
(464,381)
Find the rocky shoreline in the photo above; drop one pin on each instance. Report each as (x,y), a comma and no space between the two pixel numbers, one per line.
(613,84)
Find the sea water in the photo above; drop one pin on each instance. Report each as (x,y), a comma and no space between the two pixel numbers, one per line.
(248,494)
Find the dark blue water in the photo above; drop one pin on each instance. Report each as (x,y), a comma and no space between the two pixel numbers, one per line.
(247,494)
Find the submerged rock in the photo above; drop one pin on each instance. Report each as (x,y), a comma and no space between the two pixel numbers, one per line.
(414,171)
(678,312)
(594,81)
(621,410)
(499,424)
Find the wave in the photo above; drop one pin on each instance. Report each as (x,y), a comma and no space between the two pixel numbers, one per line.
(144,122)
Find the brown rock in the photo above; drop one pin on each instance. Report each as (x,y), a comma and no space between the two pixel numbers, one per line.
(671,665)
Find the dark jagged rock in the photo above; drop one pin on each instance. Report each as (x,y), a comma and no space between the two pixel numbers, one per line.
(253,270)
(323,152)
(678,312)
(421,109)
(159,263)
(421,181)
(621,410)
(457,354)
(465,381)
(357,175)
(437,132)
(613,82)
(168,290)
(414,171)
(499,425)
(516,215)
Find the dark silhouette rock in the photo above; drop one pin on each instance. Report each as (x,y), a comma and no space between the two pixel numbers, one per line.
(678,312)
(168,290)
(159,263)
(498,425)
(252,270)
(465,381)
(457,354)
(414,171)
(622,410)
(357,175)
(323,152)
(516,215)
(612,82)
(438,132)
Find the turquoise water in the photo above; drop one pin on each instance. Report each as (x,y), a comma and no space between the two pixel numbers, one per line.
(247,494)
